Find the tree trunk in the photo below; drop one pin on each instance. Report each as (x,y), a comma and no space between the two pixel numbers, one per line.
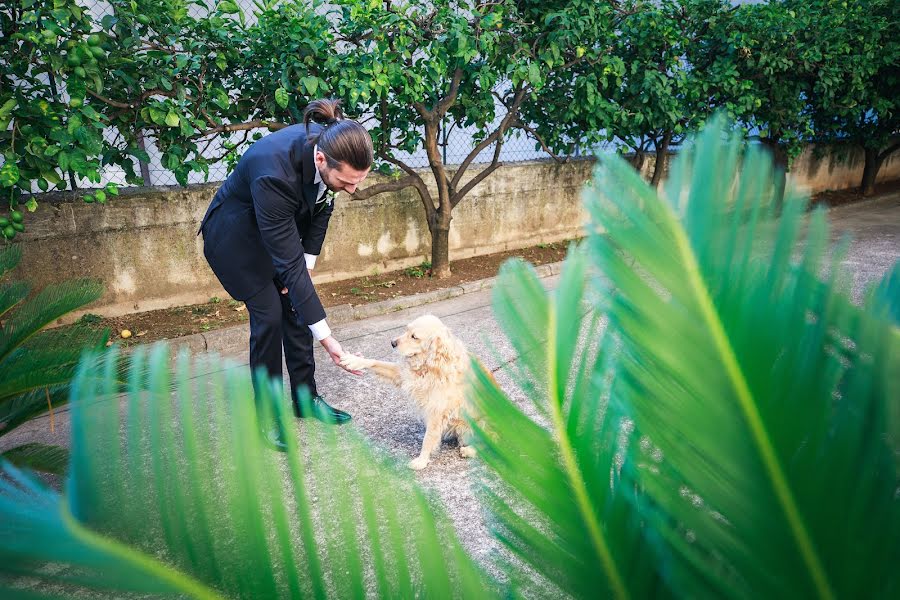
(440,251)
(780,160)
(637,161)
(662,158)
(440,227)
(870,172)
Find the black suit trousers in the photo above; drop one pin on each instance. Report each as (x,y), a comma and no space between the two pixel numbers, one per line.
(273,325)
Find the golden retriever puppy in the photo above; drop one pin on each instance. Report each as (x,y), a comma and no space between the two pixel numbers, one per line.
(433,372)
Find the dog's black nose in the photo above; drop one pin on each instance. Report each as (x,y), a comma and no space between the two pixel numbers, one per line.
(393,343)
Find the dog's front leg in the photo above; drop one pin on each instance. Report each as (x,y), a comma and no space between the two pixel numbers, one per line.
(385,370)
(388,371)
(430,442)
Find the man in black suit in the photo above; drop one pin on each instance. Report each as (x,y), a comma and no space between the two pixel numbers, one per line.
(262,234)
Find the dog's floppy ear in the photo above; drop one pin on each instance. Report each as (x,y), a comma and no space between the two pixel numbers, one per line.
(439,354)
(446,354)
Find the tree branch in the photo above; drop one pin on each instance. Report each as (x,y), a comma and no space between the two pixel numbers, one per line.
(412,179)
(109,101)
(511,113)
(386,186)
(441,108)
(495,162)
(423,112)
(399,184)
(399,163)
(243,127)
(533,133)
(888,151)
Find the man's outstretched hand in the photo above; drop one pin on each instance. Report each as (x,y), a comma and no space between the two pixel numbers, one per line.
(334,350)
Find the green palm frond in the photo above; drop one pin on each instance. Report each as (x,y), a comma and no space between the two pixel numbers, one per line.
(20,409)
(38,457)
(36,366)
(51,303)
(171,490)
(763,387)
(556,508)
(48,359)
(10,255)
(11,294)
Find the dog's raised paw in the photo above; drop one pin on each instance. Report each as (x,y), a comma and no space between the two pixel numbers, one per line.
(417,464)
(355,363)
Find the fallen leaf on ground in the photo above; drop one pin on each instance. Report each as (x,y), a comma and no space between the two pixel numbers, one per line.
(240,308)
(140,333)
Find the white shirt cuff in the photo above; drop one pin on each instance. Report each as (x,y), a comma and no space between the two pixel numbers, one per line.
(320,330)
(310,260)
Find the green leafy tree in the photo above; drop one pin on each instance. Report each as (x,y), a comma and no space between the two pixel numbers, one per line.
(37,366)
(758,64)
(646,92)
(854,97)
(79,95)
(45,137)
(454,64)
(761,462)
(168,77)
(416,71)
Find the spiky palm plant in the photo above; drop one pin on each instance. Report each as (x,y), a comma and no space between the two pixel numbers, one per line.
(738,418)
(36,366)
(171,491)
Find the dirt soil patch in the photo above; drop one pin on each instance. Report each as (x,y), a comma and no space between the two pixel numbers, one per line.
(171,323)
(833,198)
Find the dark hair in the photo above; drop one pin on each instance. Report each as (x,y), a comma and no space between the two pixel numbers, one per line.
(341,140)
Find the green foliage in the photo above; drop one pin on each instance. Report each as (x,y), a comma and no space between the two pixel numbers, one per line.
(147,69)
(760,59)
(37,366)
(418,271)
(854,95)
(564,73)
(46,50)
(738,416)
(187,500)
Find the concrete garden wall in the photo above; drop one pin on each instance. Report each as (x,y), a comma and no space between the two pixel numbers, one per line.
(142,244)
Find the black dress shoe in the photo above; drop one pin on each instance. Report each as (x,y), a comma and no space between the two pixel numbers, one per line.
(321,410)
(273,438)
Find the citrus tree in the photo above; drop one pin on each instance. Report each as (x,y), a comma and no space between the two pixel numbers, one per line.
(46,136)
(417,69)
(854,95)
(80,94)
(646,91)
(759,64)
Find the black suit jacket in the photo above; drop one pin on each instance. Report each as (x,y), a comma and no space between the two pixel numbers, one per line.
(265,217)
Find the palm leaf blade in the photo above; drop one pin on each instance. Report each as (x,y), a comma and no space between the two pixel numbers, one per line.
(750,400)
(560,514)
(177,470)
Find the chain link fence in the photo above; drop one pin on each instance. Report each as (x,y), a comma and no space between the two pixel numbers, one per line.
(456,143)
